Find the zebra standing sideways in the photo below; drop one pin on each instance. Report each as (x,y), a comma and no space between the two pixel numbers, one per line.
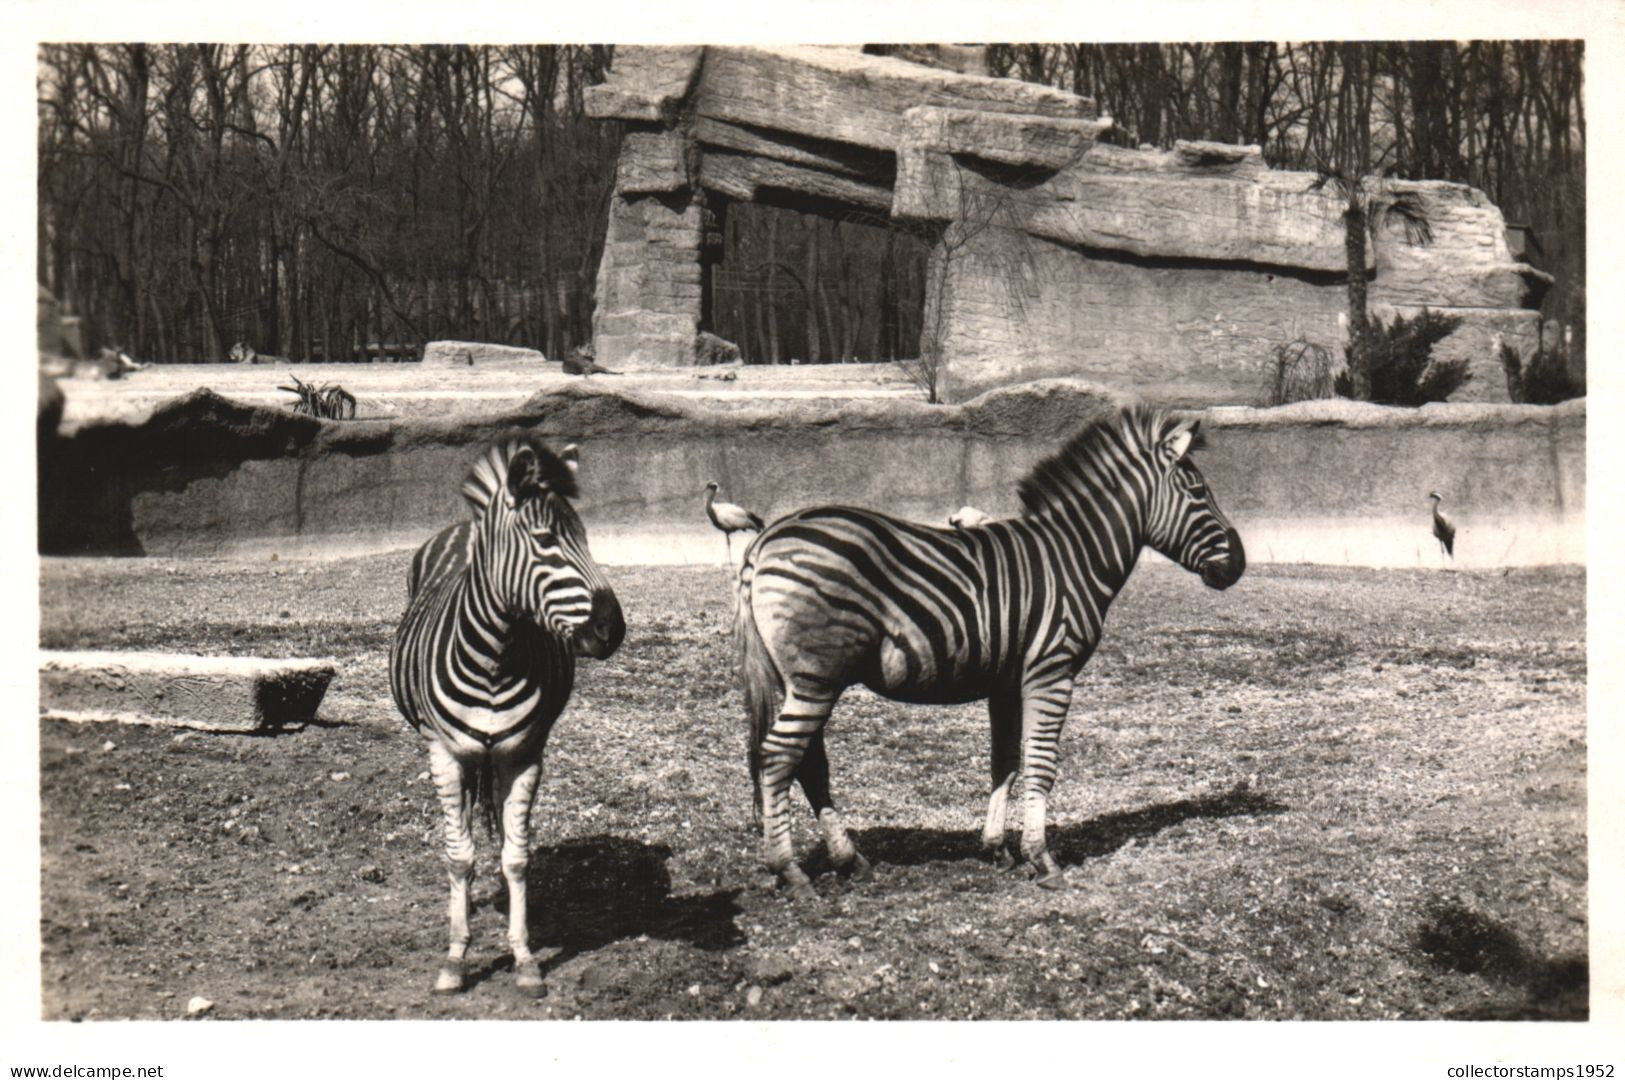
(1006,611)
(484,660)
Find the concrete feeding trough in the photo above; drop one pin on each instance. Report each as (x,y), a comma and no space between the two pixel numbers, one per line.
(211,693)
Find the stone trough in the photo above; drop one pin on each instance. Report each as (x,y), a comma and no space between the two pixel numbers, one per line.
(211,693)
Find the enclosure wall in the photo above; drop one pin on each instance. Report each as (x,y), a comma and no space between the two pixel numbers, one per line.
(205,474)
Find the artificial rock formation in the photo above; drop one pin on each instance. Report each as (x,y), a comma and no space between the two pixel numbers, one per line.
(1169,273)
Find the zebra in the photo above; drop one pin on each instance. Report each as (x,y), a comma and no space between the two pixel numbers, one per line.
(484,661)
(1008,611)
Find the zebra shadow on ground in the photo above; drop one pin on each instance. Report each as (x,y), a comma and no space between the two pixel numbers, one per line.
(592,892)
(1458,938)
(1070,843)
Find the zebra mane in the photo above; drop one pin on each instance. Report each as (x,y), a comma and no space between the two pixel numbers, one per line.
(1091,453)
(489,474)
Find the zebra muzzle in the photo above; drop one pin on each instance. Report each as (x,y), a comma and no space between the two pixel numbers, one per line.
(604,629)
(1223,572)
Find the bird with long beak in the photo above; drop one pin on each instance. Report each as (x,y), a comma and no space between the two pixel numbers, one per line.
(1444,530)
(729,518)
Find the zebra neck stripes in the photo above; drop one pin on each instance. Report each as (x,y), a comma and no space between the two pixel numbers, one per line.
(460,663)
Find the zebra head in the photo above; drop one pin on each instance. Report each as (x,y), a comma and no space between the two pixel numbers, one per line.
(1183,520)
(537,562)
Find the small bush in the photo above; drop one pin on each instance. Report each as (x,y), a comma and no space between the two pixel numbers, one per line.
(1298,370)
(1544,380)
(1403,371)
(328,401)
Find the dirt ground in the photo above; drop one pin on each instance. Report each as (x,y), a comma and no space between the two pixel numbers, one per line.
(1326,793)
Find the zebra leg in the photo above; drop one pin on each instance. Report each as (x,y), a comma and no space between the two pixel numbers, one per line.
(1043,712)
(1004,712)
(813,776)
(520,786)
(455,801)
(781,753)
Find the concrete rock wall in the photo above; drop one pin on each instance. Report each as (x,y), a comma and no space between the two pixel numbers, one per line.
(1158,271)
(204,474)
(649,291)
(1022,308)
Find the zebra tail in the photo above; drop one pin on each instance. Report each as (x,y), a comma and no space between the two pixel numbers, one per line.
(757,676)
(483,795)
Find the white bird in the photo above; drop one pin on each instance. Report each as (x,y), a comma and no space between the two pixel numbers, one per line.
(1443,528)
(968,517)
(729,518)
(110,363)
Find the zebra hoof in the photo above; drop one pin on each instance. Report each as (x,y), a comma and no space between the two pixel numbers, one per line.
(449,980)
(528,978)
(1050,874)
(1003,861)
(858,869)
(800,889)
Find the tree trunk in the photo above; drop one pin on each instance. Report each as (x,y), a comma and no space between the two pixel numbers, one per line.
(771,299)
(1354,220)
(815,349)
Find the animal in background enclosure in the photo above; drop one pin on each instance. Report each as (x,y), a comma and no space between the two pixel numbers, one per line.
(729,518)
(1444,530)
(111,362)
(484,661)
(245,354)
(581,362)
(1008,612)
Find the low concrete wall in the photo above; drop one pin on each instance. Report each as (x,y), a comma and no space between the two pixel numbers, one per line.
(206,474)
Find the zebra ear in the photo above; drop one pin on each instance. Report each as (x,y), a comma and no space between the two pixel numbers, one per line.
(571,457)
(523,470)
(1179,441)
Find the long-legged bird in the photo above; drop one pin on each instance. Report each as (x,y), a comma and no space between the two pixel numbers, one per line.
(1443,528)
(729,518)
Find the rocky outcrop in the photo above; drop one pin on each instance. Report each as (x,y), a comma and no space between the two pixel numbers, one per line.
(838,95)
(649,294)
(710,349)
(474,354)
(1166,272)
(1205,201)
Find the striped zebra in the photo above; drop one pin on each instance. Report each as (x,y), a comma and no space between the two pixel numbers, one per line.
(1008,611)
(484,661)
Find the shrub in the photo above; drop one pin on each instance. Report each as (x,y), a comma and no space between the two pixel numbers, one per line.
(1298,370)
(1403,371)
(328,401)
(1544,380)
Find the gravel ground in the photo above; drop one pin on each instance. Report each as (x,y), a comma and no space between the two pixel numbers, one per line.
(1324,794)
